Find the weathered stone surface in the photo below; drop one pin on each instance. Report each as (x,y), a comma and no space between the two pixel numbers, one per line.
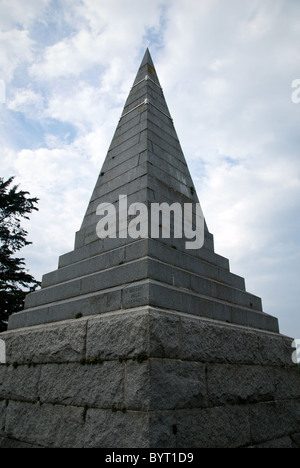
(134,384)
(160,384)
(3,406)
(228,384)
(20,383)
(296,440)
(93,384)
(8,443)
(172,335)
(47,343)
(45,425)
(219,427)
(2,375)
(273,420)
(162,429)
(284,442)
(287,383)
(118,336)
(208,341)
(104,428)
(138,387)
(164,334)
(275,350)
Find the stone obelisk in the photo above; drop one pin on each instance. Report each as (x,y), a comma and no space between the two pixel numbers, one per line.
(141,342)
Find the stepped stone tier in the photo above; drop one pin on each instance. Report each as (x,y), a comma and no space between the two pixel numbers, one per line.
(141,342)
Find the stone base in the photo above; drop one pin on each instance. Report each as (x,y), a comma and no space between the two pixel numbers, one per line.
(147,378)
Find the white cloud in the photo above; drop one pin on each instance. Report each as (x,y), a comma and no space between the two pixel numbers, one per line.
(15,43)
(258,24)
(247,202)
(18,12)
(70,56)
(15,49)
(63,181)
(109,30)
(89,102)
(27,101)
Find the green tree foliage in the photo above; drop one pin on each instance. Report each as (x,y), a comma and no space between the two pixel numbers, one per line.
(15,281)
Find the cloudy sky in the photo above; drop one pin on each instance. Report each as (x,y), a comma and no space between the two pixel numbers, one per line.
(227,69)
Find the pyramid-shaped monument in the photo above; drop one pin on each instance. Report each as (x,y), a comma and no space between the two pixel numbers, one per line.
(145,163)
(143,337)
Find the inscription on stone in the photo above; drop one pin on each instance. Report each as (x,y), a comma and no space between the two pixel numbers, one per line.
(90,235)
(136,296)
